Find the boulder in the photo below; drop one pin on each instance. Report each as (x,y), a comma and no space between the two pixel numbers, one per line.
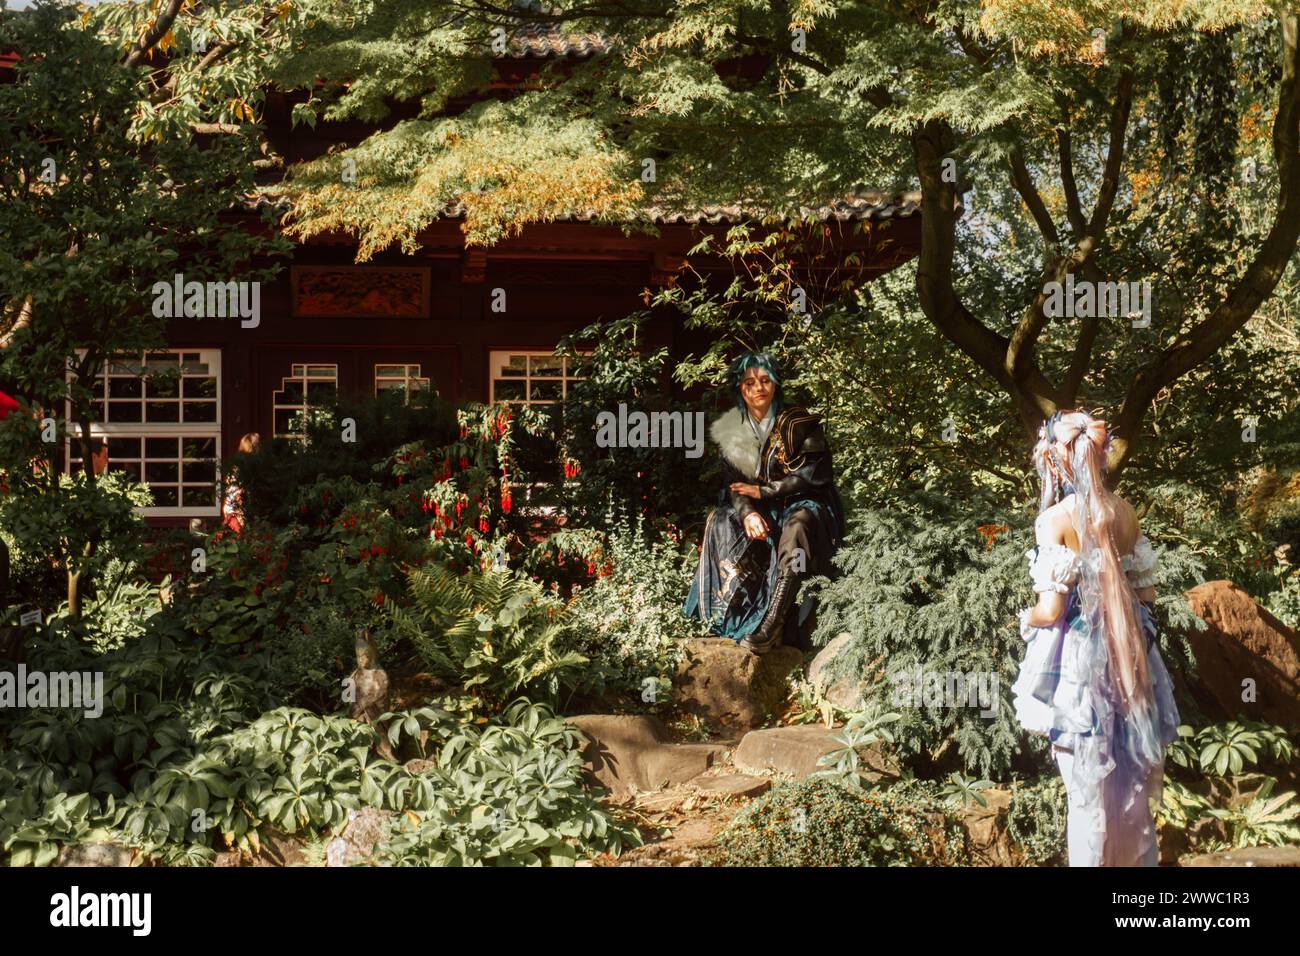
(738,785)
(844,692)
(633,753)
(987,836)
(796,751)
(728,686)
(1244,641)
(1249,856)
(363,832)
(94,854)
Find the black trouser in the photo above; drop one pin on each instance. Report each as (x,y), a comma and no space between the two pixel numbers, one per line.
(794,550)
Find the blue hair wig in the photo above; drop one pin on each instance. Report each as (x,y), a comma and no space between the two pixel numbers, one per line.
(759,360)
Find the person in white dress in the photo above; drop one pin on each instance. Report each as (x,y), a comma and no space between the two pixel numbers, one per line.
(1092,679)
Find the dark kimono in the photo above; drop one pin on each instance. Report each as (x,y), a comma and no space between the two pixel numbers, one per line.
(736,575)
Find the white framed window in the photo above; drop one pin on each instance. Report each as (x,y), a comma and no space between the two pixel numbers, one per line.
(403,378)
(160,412)
(304,388)
(529,377)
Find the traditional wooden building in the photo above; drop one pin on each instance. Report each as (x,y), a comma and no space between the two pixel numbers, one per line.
(329,325)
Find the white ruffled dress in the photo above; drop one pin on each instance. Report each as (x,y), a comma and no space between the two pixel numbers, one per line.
(1063,691)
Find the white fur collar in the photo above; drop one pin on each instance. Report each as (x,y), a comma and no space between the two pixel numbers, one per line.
(736,441)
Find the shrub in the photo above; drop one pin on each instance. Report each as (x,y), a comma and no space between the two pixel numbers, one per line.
(1036,820)
(629,622)
(822,822)
(507,795)
(926,588)
(496,633)
(191,755)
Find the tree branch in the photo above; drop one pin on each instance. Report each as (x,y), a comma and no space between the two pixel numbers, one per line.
(1024,185)
(1256,283)
(157,30)
(1073,208)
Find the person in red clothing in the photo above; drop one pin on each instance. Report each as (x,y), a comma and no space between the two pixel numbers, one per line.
(232,505)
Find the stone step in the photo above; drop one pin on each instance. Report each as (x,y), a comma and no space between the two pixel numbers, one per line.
(739,785)
(796,750)
(633,753)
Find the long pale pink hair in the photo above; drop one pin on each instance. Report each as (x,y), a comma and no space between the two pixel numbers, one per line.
(1107,598)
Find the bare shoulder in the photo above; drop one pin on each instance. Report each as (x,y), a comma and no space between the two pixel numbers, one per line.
(1051,526)
(1128,520)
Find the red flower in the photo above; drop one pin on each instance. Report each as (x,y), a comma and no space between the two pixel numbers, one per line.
(483,525)
(505,499)
(591,567)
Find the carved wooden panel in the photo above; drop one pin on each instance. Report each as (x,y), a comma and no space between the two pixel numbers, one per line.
(360,292)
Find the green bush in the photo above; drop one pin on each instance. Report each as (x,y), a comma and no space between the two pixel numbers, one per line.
(495,633)
(822,822)
(1036,820)
(629,622)
(192,755)
(509,794)
(925,586)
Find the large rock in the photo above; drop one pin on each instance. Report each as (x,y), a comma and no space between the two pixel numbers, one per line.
(631,753)
(1249,856)
(796,751)
(363,832)
(987,836)
(1244,641)
(844,692)
(94,854)
(728,686)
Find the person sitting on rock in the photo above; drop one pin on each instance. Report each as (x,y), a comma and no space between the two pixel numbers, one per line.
(779,517)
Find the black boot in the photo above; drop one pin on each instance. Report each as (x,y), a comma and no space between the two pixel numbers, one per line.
(768,634)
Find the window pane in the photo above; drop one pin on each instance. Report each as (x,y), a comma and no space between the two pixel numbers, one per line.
(200,448)
(321,371)
(200,471)
(546,365)
(125,467)
(283,417)
(200,388)
(164,496)
(123,448)
(518,365)
(125,388)
(200,411)
(390,371)
(546,392)
(164,411)
(161,471)
(161,386)
(509,391)
(158,447)
(124,412)
(199,496)
(290,395)
(319,392)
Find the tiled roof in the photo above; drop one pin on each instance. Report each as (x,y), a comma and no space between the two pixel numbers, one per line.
(868,205)
(864,206)
(549,39)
